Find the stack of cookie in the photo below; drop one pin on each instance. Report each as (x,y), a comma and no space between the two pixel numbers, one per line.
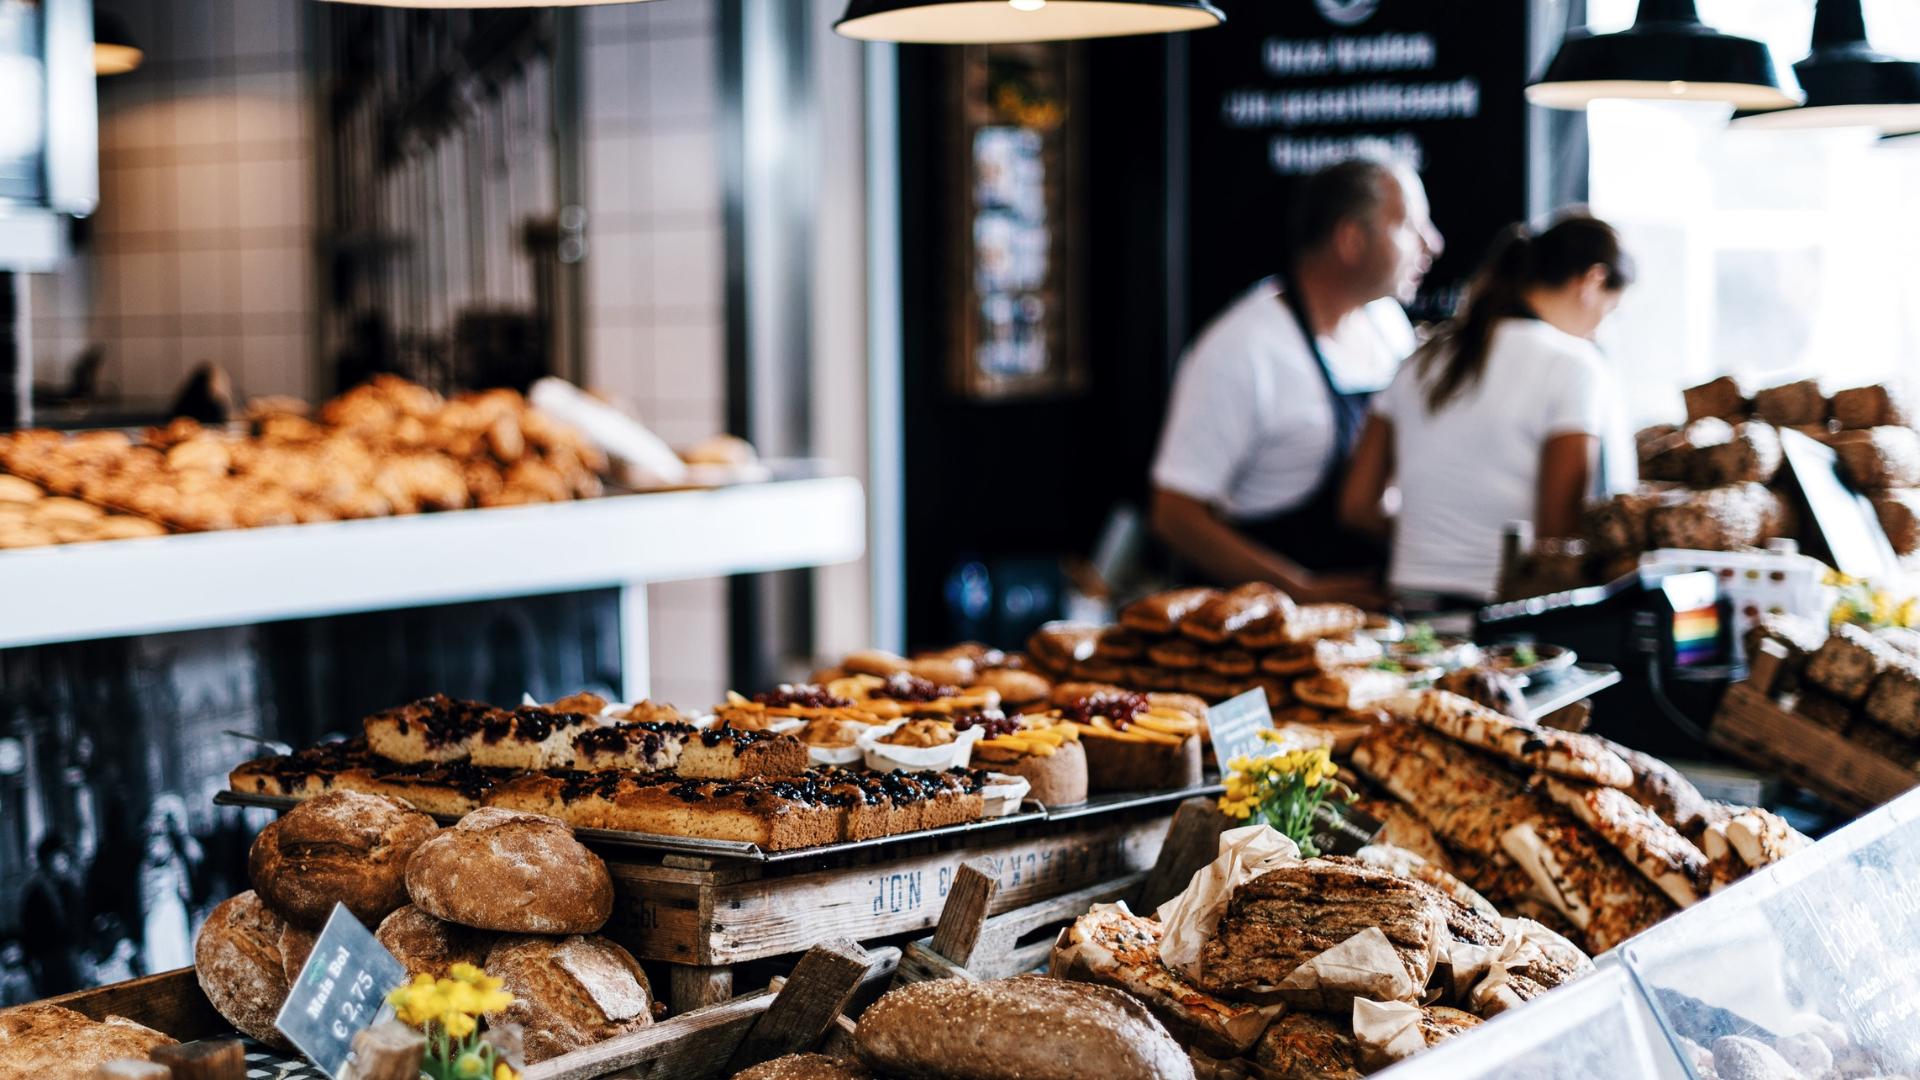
(510,892)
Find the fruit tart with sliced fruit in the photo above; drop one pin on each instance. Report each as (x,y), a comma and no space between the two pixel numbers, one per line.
(1133,743)
(1040,747)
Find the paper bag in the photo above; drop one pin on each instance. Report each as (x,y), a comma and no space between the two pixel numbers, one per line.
(1192,917)
(1365,965)
(1512,974)
(1386,1032)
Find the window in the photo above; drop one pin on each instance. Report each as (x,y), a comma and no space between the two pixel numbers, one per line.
(1766,255)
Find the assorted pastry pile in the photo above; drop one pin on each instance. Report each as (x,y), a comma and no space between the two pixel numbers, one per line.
(1860,684)
(386,447)
(641,768)
(512,892)
(1588,837)
(30,517)
(1716,483)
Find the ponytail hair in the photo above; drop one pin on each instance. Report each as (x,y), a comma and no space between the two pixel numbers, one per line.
(1520,260)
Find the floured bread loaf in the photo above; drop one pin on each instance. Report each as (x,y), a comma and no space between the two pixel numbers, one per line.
(513,872)
(245,958)
(569,993)
(429,946)
(343,847)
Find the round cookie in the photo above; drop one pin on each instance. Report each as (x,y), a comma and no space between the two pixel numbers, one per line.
(511,871)
(345,847)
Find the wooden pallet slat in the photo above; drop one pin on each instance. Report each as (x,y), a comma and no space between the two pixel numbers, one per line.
(1752,726)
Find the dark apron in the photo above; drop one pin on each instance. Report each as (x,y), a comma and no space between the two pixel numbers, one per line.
(1310,533)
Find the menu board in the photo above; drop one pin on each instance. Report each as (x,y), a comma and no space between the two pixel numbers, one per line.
(1284,89)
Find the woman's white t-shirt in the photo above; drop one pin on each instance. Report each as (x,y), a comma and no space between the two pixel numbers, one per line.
(1467,471)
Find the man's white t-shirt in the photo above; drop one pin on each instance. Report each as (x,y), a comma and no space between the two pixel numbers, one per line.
(1467,471)
(1250,429)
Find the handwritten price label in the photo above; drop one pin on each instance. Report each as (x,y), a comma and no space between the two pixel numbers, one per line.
(341,992)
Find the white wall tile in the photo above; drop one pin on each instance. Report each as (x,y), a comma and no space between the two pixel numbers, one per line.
(683,80)
(618,361)
(608,165)
(270,107)
(685,167)
(204,116)
(689,363)
(275,194)
(205,196)
(615,81)
(145,283)
(276,364)
(209,283)
(274,281)
(146,366)
(619,273)
(200,30)
(266,27)
(687,268)
(145,194)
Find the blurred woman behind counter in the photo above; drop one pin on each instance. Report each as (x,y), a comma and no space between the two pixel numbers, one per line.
(1498,418)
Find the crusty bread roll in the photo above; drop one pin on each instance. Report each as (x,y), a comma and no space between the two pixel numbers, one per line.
(245,959)
(805,1067)
(511,871)
(1026,1028)
(430,946)
(39,1041)
(569,993)
(1015,687)
(344,847)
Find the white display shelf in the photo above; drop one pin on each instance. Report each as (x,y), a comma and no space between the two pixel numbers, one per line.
(114,588)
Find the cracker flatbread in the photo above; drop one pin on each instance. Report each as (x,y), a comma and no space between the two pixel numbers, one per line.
(1560,753)
(1654,848)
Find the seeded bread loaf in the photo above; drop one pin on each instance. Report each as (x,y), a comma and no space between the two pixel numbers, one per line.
(342,847)
(1025,1028)
(1849,662)
(1870,407)
(1794,404)
(1899,512)
(1894,700)
(1879,458)
(1722,398)
(805,1067)
(514,872)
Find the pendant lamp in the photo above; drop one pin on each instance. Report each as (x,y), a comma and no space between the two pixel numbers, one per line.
(450,5)
(988,22)
(114,51)
(1847,83)
(1668,54)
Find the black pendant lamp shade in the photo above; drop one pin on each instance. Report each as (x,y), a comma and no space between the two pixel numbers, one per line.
(1847,83)
(962,22)
(1669,55)
(114,51)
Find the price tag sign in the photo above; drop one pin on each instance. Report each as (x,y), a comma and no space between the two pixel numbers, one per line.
(1236,724)
(341,992)
(1339,829)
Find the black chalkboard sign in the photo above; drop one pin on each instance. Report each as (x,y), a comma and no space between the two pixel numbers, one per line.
(1285,88)
(341,991)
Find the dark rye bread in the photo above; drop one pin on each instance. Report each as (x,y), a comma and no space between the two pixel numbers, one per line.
(1894,701)
(570,993)
(340,847)
(1286,917)
(1870,407)
(425,945)
(1030,1027)
(1751,455)
(1879,458)
(1722,398)
(510,871)
(1899,513)
(1307,1046)
(1795,404)
(805,1067)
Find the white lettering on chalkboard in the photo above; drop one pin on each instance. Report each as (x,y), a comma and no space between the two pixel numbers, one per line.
(1292,155)
(1364,103)
(1290,58)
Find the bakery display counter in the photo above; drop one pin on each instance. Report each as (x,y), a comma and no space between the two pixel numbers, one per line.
(82,592)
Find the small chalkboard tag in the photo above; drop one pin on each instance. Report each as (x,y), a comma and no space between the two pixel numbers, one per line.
(1339,829)
(341,991)
(1236,724)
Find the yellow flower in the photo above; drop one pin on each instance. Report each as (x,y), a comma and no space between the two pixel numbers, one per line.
(466,973)
(493,1001)
(458,1024)
(503,1071)
(470,1064)
(463,997)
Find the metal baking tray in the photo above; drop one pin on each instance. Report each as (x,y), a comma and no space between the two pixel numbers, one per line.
(1130,800)
(1029,813)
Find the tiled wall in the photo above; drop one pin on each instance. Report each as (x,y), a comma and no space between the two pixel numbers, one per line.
(203,245)
(655,298)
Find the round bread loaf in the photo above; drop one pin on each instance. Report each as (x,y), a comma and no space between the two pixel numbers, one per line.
(48,1041)
(805,1067)
(245,959)
(511,871)
(429,946)
(343,847)
(569,993)
(1027,1028)
(1016,688)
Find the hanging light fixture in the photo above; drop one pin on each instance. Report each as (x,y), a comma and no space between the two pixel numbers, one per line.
(114,51)
(1667,54)
(449,5)
(965,22)
(1848,84)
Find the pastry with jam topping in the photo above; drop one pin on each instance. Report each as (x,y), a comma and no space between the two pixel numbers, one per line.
(1132,742)
(437,728)
(529,737)
(302,775)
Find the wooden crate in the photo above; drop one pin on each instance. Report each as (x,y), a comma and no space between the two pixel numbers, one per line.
(706,916)
(1754,727)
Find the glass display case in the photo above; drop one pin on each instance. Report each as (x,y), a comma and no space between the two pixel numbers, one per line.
(1808,968)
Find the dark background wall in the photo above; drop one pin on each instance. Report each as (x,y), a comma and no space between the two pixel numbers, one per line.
(1191,143)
